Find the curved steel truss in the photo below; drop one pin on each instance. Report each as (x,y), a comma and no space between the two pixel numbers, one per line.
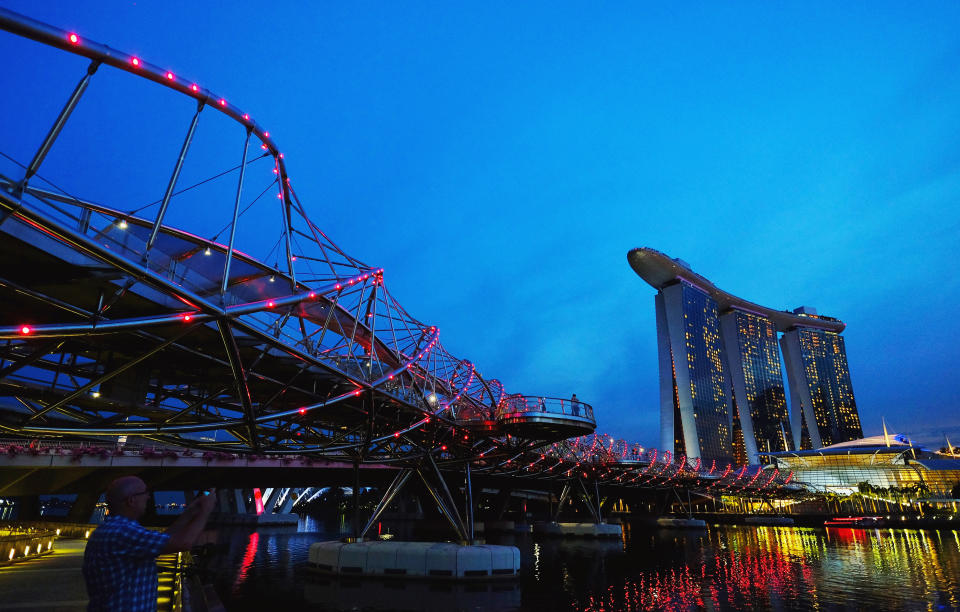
(226,330)
(119,322)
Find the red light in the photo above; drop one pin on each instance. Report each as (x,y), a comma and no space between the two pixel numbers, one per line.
(194,87)
(25,330)
(293,258)
(187,317)
(281,156)
(390,377)
(270,304)
(337,286)
(223,102)
(169,76)
(356,392)
(73,38)
(135,62)
(266,134)
(428,419)
(444,447)
(303,411)
(312,295)
(396,435)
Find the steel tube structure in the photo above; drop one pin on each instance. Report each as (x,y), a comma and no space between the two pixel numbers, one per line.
(119,323)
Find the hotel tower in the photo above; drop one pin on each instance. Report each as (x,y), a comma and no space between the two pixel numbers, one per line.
(722,395)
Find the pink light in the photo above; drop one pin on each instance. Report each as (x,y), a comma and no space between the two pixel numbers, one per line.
(266,134)
(258,500)
(169,76)
(135,61)
(73,38)
(246,117)
(281,156)
(223,102)
(390,377)
(264,146)
(302,411)
(396,434)
(194,87)
(25,330)
(270,304)
(337,286)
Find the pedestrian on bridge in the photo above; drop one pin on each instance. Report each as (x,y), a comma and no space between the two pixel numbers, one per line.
(120,561)
(575,405)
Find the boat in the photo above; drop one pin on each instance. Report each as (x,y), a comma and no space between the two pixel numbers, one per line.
(856,522)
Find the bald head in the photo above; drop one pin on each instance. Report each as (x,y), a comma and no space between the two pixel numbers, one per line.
(121,490)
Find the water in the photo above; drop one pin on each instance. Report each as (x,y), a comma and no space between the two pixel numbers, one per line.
(721,568)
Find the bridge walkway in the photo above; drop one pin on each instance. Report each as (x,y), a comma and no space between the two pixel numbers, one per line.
(54,582)
(51,583)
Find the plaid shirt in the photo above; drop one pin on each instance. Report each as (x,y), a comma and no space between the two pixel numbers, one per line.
(120,566)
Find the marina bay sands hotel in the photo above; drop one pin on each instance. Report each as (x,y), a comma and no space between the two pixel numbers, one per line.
(721,387)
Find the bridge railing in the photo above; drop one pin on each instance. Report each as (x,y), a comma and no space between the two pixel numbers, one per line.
(515,404)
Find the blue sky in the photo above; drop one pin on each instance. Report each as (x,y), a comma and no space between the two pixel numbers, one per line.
(500,160)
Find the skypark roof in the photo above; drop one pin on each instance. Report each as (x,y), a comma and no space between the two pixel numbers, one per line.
(660,270)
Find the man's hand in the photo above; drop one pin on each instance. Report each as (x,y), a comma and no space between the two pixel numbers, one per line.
(188,526)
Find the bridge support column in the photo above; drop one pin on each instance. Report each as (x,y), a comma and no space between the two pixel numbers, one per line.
(564,494)
(385,501)
(286,503)
(356,500)
(240,501)
(440,493)
(468,490)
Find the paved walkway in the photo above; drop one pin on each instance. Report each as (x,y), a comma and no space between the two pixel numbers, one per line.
(53,582)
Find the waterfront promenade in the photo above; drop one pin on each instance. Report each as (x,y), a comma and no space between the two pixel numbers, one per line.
(53,583)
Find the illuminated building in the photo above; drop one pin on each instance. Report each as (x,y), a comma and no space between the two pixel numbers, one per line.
(697,416)
(754,361)
(886,466)
(824,410)
(722,393)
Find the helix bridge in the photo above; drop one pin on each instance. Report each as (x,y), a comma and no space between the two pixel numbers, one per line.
(199,306)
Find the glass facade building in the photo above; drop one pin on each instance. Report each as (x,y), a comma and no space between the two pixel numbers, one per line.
(702,402)
(820,385)
(753,357)
(722,392)
(891,468)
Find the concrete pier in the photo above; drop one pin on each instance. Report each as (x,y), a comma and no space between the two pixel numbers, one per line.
(432,560)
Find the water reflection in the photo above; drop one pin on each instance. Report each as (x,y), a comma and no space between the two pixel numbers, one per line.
(721,568)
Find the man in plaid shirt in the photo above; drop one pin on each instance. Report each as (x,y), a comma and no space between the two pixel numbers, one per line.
(120,561)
